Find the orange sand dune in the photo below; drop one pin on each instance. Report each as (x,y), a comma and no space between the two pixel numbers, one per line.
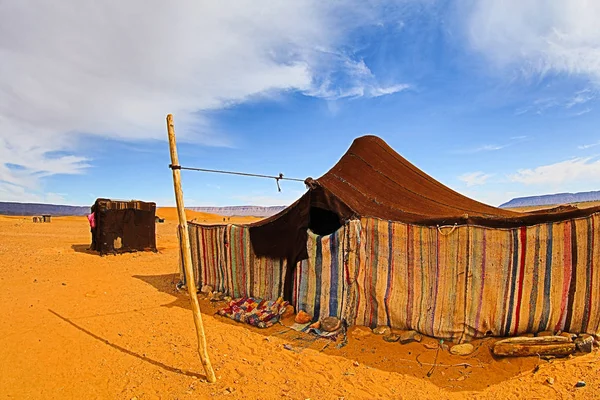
(583,204)
(74,325)
(170,213)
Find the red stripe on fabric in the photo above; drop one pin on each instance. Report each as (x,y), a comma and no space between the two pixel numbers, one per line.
(521,277)
(230,247)
(437,279)
(567,261)
(347,260)
(373,233)
(391,272)
(202,279)
(296,277)
(409,271)
(591,277)
(211,254)
(243,264)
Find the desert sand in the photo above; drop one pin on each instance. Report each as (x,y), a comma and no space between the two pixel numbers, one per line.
(77,325)
(583,204)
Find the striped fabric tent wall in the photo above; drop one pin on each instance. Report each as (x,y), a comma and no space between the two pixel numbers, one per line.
(456,283)
(223,258)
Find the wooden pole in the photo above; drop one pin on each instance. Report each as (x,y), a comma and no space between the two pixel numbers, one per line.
(187,254)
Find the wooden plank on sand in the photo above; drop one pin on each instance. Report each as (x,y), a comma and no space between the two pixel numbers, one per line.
(534,346)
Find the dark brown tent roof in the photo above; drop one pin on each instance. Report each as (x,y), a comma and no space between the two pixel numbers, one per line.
(375,181)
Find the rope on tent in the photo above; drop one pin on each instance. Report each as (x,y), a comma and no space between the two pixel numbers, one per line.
(278,178)
(439,228)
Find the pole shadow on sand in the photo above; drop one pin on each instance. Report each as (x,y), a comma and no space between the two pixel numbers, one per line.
(127,351)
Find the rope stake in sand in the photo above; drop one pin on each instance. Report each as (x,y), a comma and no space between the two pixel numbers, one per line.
(187,255)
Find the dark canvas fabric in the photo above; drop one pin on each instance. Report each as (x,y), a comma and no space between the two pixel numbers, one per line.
(128,223)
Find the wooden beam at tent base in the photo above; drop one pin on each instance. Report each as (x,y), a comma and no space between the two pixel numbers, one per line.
(535,346)
(187,254)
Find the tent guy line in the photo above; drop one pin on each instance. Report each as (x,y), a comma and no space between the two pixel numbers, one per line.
(277,178)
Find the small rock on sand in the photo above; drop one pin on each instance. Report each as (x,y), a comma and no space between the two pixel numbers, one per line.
(410,336)
(360,332)
(392,337)
(217,296)
(462,349)
(381,330)
(580,384)
(330,324)
(302,317)
(584,343)
(206,289)
(550,381)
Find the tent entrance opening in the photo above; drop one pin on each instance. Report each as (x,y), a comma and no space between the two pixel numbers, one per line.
(323,222)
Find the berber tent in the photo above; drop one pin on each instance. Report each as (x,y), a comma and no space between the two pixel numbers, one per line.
(376,241)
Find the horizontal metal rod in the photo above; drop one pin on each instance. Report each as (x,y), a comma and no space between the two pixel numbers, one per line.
(280,177)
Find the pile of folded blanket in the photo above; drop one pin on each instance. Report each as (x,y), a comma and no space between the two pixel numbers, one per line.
(255,312)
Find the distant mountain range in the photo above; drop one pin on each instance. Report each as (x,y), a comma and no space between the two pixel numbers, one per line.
(552,199)
(12,208)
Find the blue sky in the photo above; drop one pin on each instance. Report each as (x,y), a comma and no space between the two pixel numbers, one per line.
(496,99)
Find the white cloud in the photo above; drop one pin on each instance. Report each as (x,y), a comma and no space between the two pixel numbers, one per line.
(17,193)
(580,97)
(588,146)
(492,147)
(479,149)
(491,197)
(538,37)
(362,81)
(115,69)
(582,169)
(576,101)
(582,112)
(475,178)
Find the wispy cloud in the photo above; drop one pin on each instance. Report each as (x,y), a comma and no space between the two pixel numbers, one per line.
(359,81)
(577,169)
(491,147)
(588,146)
(535,38)
(485,147)
(580,97)
(475,178)
(582,112)
(544,105)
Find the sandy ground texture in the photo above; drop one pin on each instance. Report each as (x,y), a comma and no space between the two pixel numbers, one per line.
(77,325)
